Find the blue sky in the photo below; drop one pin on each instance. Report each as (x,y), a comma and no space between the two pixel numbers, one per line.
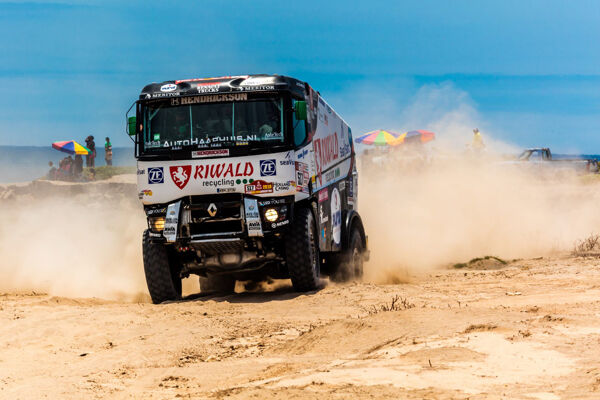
(528,69)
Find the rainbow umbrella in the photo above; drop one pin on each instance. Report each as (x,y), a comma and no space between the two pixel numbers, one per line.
(378,138)
(71,147)
(412,136)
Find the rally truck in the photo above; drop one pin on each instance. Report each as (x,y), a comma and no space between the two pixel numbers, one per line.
(244,177)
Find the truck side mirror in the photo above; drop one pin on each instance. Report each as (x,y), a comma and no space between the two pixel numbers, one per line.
(300,109)
(132,126)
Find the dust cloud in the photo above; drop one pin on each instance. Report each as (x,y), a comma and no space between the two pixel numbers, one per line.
(424,211)
(72,240)
(442,203)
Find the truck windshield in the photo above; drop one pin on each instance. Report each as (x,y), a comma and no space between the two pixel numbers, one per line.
(209,125)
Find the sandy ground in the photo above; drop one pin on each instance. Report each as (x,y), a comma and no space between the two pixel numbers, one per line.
(529,329)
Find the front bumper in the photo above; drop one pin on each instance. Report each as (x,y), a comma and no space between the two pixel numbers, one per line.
(223,216)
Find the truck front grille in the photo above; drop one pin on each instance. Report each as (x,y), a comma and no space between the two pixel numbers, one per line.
(216,227)
(227,218)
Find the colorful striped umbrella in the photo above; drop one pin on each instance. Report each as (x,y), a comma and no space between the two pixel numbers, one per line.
(71,147)
(419,135)
(378,138)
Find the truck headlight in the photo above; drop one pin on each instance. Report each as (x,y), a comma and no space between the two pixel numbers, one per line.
(271,214)
(157,224)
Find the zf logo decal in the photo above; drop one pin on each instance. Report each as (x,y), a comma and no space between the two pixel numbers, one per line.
(268,168)
(155,175)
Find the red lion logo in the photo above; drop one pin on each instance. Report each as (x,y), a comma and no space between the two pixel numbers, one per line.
(181,175)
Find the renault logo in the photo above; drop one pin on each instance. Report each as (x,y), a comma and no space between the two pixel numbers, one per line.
(212,209)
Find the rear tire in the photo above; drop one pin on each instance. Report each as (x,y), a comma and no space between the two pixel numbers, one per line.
(348,265)
(222,284)
(302,252)
(162,274)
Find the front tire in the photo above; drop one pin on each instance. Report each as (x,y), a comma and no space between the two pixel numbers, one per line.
(162,274)
(302,252)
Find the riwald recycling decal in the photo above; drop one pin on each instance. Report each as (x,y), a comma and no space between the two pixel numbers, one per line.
(255,175)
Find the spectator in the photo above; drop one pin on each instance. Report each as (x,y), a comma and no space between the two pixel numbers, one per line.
(52,172)
(64,173)
(477,143)
(108,152)
(78,167)
(90,158)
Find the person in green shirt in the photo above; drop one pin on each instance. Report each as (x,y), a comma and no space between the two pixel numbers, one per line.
(108,152)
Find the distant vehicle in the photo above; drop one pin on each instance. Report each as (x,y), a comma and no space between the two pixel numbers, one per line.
(536,155)
(542,157)
(243,177)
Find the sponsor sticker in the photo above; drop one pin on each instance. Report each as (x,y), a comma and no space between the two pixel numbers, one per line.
(284,186)
(342,186)
(155,175)
(169,87)
(332,175)
(287,160)
(223,170)
(302,153)
(350,198)
(213,78)
(268,167)
(251,209)
(180,175)
(258,187)
(345,150)
(172,222)
(323,217)
(326,151)
(141,171)
(144,193)
(258,81)
(302,177)
(225,190)
(271,202)
(215,98)
(336,216)
(281,223)
(252,217)
(156,211)
(208,87)
(323,195)
(273,135)
(210,153)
